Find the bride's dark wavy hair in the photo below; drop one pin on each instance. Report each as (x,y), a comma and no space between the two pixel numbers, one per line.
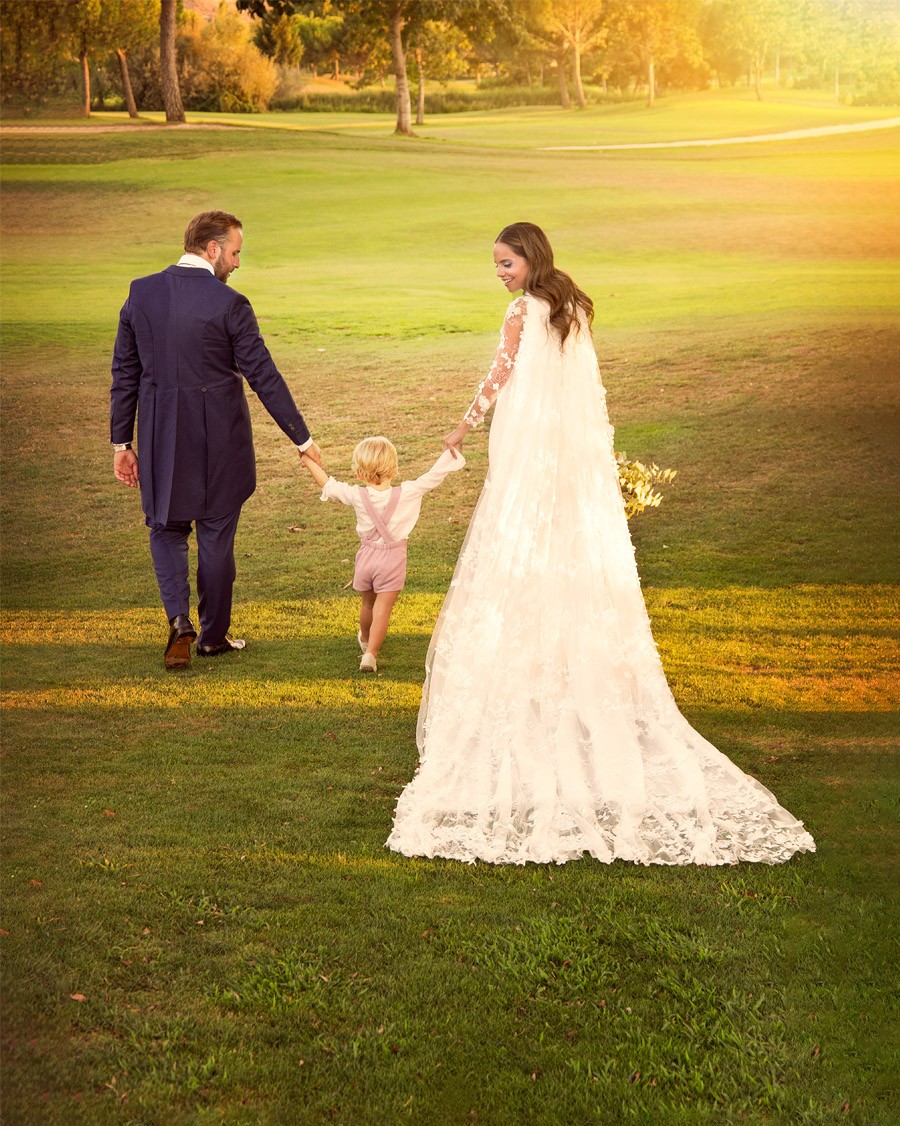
(545,280)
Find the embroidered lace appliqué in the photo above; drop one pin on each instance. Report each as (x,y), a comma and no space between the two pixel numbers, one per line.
(503,365)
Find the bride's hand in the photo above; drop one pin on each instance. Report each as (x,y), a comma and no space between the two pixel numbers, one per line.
(455,438)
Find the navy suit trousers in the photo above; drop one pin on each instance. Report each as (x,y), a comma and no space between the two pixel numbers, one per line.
(215,571)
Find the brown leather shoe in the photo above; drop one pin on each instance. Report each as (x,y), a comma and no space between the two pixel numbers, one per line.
(181,637)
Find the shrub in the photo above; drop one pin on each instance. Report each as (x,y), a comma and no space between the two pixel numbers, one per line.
(220,69)
(436,101)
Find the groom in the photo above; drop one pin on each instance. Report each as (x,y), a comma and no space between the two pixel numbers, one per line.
(185,340)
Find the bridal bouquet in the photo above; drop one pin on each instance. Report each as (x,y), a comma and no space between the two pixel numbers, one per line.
(637,481)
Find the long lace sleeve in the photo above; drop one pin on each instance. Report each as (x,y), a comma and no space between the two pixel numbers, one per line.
(503,365)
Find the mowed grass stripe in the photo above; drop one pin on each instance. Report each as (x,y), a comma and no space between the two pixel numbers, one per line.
(797,610)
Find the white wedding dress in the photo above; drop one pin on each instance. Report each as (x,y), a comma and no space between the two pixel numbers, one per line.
(547,728)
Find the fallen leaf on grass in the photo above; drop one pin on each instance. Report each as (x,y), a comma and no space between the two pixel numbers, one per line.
(109,812)
(79,997)
(816,1052)
(36,883)
(634,1077)
(774,758)
(537,1071)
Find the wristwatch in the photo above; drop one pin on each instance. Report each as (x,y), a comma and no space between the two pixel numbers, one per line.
(120,446)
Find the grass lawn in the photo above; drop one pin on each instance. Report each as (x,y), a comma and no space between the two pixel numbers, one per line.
(676,117)
(201,923)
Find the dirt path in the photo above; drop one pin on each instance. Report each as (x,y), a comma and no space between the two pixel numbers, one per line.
(792,135)
(125,125)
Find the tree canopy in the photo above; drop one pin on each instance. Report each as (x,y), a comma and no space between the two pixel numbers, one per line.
(585,49)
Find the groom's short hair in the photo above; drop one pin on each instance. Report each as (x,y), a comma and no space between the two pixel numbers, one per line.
(207,227)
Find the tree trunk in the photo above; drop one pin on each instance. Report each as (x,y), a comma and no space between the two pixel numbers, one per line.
(837,82)
(404,109)
(420,103)
(168,65)
(564,100)
(85,82)
(579,88)
(651,82)
(777,69)
(127,92)
(757,76)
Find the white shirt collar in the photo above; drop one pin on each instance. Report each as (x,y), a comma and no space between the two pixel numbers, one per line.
(196,262)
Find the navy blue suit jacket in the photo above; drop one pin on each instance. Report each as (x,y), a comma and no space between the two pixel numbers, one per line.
(185,340)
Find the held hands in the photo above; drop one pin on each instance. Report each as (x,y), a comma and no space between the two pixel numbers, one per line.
(313,453)
(455,438)
(125,467)
(313,465)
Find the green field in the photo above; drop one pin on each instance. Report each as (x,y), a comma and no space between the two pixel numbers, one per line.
(200,856)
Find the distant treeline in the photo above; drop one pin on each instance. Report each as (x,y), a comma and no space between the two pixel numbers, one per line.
(255,55)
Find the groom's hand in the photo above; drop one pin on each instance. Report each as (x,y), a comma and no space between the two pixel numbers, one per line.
(313,452)
(125,467)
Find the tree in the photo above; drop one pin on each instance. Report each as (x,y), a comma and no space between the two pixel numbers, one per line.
(168,63)
(720,47)
(656,32)
(278,36)
(758,27)
(541,30)
(379,17)
(129,25)
(36,49)
(439,49)
(582,26)
(88,31)
(395,21)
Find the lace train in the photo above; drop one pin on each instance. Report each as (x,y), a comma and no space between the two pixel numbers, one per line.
(547,728)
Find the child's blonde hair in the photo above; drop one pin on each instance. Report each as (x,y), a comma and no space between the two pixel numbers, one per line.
(375,460)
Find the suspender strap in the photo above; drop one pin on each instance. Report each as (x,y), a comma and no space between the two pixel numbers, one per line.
(381,519)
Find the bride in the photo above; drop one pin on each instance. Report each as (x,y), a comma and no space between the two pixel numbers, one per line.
(547,729)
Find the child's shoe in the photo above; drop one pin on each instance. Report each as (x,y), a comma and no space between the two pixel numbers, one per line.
(362,644)
(368,663)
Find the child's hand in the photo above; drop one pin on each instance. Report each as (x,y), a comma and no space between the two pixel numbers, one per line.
(313,467)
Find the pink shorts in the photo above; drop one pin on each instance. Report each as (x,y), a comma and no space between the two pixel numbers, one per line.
(380,567)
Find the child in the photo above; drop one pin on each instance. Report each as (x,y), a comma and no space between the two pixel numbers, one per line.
(384,518)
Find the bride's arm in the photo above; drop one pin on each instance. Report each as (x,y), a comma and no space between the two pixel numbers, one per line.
(501,369)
